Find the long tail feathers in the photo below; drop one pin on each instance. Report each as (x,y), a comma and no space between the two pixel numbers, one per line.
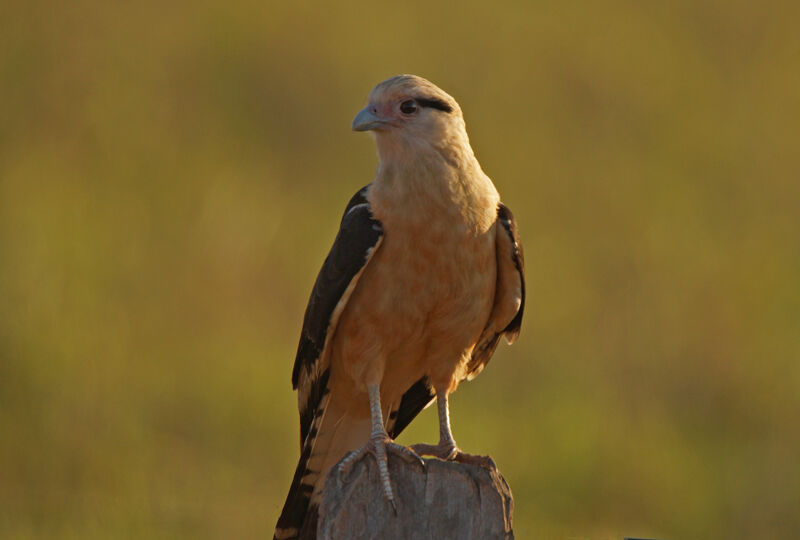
(296,508)
(336,430)
(340,425)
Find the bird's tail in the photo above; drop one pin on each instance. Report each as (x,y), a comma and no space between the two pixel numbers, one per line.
(337,428)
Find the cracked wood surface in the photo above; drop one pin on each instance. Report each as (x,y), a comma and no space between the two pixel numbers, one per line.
(443,500)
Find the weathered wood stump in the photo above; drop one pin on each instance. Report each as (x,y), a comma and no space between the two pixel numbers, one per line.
(443,500)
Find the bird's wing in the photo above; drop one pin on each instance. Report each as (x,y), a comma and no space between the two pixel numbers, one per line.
(509,300)
(411,404)
(358,238)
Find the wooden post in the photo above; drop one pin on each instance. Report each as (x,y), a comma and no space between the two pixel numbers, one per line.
(443,500)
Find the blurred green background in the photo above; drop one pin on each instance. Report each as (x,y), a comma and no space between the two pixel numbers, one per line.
(172,175)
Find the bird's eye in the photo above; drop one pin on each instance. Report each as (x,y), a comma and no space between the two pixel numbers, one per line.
(408,107)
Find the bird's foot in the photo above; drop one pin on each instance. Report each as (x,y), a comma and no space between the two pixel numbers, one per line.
(448,451)
(379,446)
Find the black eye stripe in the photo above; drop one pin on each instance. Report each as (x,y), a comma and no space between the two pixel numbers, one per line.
(435,103)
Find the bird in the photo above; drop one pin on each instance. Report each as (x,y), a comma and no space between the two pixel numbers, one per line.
(424,277)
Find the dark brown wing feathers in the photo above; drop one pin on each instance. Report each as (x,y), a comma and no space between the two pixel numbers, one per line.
(359,233)
(506,219)
(358,236)
(486,346)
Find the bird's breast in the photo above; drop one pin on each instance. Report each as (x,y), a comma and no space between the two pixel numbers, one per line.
(420,304)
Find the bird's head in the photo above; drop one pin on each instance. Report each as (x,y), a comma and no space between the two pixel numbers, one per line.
(407,110)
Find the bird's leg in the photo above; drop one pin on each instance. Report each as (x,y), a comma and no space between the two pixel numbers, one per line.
(447,448)
(378,444)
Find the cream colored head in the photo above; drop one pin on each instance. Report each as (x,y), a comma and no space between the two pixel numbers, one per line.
(407,111)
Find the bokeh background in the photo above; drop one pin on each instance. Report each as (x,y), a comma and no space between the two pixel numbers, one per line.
(172,175)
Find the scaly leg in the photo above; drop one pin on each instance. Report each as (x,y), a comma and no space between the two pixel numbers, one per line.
(378,444)
(447,448)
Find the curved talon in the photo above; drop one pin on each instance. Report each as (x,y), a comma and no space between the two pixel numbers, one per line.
(408,454)
(345,466)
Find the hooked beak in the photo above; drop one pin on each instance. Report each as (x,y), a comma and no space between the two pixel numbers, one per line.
(366,120)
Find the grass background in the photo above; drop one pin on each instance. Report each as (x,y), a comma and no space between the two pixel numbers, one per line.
(171,177)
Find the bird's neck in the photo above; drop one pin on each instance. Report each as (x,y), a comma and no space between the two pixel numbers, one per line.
(423,182)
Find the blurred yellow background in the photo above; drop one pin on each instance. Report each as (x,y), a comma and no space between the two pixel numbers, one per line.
(172,176)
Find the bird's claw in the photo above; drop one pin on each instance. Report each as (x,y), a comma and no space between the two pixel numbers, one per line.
(346,464)
(406,453)
(448,451)
(379,446)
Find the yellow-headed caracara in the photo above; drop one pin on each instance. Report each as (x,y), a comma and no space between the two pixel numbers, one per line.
(424,277)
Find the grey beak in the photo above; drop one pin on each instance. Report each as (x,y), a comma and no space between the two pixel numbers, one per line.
(366,120)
